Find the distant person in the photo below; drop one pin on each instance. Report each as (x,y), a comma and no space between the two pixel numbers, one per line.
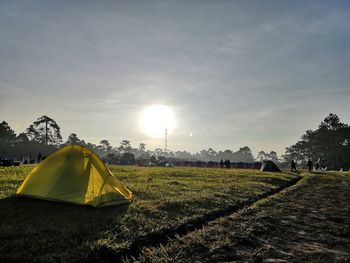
(317,165)
(39,157)
(309,165)
(293,166)
(228,163)
(222,164)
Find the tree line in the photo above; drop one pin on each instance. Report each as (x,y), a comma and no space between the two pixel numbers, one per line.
(44,136)
(330,144)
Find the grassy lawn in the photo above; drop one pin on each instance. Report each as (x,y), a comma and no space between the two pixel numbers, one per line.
(38,230)
(309,222)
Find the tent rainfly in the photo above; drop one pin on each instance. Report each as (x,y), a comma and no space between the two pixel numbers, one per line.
(269,166)
(76,175)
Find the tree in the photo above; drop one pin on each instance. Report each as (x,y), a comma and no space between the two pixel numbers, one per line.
(142,147)
(22,138)
(224,155)
(153,159)
(207,155)
(106,146)
(329,143)
(267,156)
(161,158)
(261,156)
(73,139)
(297,152)
(204,155)
(158,152)
(332,122)
(273,156)
(212,154)
(125,146)
(6,133)
(244,154)
(128,158)
(26,148)
(7,138)
(183,155)
(45,131)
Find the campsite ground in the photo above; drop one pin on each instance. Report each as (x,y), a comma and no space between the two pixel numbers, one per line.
(308,222)
(175,202)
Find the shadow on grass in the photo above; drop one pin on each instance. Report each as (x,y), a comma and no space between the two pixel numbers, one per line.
(24,207)
(52,229)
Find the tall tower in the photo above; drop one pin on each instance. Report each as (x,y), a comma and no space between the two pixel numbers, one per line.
(166,139)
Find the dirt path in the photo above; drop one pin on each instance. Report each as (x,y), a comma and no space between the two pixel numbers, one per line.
(309,222)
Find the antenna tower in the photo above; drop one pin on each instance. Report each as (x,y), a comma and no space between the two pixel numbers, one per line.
(166,139)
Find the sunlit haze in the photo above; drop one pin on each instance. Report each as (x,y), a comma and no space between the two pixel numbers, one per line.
(155,119)
(232,73)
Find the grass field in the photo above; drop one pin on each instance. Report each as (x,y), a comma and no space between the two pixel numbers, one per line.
(164,198)
(309,222)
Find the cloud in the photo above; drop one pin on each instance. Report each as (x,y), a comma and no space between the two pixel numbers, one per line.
(257,73)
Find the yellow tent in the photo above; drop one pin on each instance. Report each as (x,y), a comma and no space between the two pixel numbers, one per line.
(77,175)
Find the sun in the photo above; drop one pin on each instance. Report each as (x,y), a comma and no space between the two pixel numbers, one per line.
(155,119)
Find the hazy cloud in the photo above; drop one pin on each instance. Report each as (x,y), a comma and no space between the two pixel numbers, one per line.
(256,73)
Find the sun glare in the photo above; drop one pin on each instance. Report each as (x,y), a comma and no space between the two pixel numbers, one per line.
(155,119)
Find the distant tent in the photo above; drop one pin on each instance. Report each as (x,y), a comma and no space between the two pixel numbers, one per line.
(269,166)
(77,175)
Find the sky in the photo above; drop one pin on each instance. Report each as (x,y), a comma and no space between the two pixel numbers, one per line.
(234,73)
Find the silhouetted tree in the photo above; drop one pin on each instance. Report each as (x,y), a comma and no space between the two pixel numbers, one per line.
(45,131)
(73,139)
(23,147)
(22,138)
(106,146)
(7,139)
(125,146)
(153,159)
(128,158)
(332,123)
(6,133)
(330,142)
